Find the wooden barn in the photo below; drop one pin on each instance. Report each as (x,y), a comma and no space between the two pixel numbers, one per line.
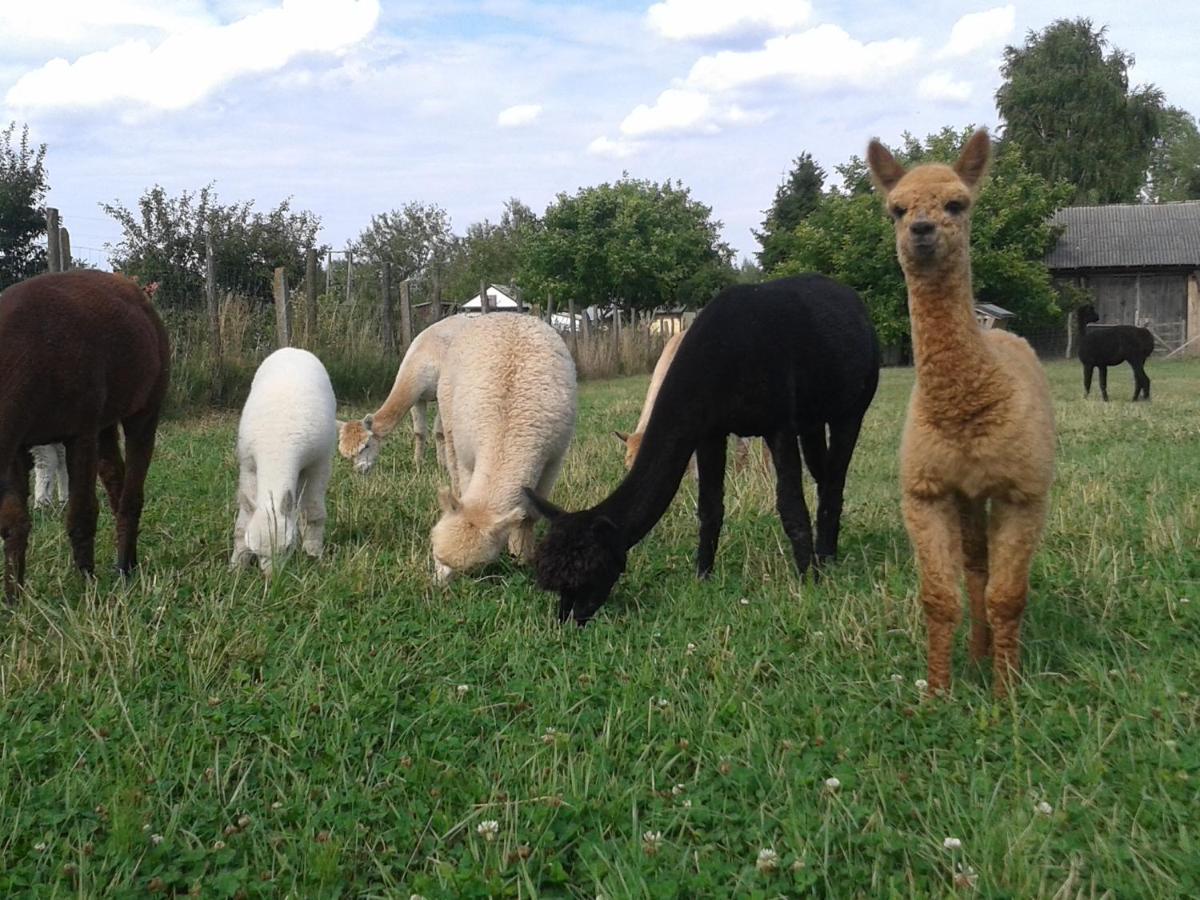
(1139,262)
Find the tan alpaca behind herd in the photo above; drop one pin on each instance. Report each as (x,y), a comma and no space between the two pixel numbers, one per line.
(977,456)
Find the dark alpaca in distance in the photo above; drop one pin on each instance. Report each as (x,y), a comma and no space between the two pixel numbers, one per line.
(782,359)
(83,351)
(1111,345)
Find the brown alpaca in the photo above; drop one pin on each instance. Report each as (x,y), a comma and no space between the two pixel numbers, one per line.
(977,456)
(83,351)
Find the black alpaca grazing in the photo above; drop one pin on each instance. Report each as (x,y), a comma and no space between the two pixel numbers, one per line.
(784,359)
(1111,345)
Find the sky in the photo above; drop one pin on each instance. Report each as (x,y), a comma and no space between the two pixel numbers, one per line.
(356,107)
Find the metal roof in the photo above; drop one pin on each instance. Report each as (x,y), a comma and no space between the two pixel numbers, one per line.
(1128,236)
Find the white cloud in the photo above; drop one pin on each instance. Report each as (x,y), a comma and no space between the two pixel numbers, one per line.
(48,27)
(618,149)
(679,110)
(516,116)
(822,57)
(975,31)
(191,63)
(941,85)
(681,20)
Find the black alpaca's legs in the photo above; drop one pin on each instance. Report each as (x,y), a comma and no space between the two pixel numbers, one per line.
(1141,381)
(710,465)
(1087,380)
(14,523)
(1104,383)
(139,447)
(82,508)
(816,453)
(111,468)
(789,497)
(843,437)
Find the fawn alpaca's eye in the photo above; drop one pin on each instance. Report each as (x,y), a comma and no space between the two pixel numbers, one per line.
(898,212)
(954,207)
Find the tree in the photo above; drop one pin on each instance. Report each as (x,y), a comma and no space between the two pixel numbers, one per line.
(849,238)
(490,252)
(1175,160)
(410,239)
(795,200)
(164,241)
(22,190)
(634,243)
(1068,106)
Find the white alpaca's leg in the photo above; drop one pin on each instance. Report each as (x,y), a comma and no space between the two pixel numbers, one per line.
(247,487)
(420,432)
(60,471)
(44,460)
(313,483)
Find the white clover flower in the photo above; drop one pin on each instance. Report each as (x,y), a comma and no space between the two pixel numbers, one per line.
(677,790)
(40,846)
(768,860)
(745,601)
(832,784)
(488,829)
(687,804)
(1044,808)
(462,690)
(156,839)
(952,843)
(218,845)
(1184,600)
(897,678)
(964,876)
(922,685)
(691,648)
(818,634)
(278,804)
(549,736)
(663,702)
(651,841)
(416,897)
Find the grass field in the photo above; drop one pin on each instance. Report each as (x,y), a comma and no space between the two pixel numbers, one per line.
(350,730)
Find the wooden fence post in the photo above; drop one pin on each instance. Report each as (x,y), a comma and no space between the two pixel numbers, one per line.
(329,273)
(349,272)
(549,309)
(283,309)
(64,249)
(437,297)
(387,311)
(483,297)
(517,297)
(310,298)
(406,322)
(571,313)
(53,247)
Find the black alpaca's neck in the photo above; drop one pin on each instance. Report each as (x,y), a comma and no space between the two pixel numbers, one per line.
(640,500)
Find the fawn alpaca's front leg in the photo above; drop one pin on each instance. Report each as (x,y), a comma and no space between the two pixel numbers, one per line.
(1014,530)
(973,520)
(934,529)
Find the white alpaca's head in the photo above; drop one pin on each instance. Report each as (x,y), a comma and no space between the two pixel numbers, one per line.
(359,444)
(272,530)
(466,537)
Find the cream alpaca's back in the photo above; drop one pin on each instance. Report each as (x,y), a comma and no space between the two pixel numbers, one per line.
(507,398)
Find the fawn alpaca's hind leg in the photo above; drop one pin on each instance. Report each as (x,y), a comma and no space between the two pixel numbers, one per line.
(710,508)
(111,467)
(246,494)
(82,508)
(1014,530)
(14,523)
(313,483)
(973,519)
(934,529)
(789,497)
(1104,383)
(420,432)
(139,448)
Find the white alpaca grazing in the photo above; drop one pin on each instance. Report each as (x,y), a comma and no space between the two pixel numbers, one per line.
(49,474)
(285,447)
(415,386)
(507,399)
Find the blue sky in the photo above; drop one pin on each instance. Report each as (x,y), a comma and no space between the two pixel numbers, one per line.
(355,107)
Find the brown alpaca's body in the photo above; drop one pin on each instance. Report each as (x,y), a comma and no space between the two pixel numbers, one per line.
(977,455)
(83,352)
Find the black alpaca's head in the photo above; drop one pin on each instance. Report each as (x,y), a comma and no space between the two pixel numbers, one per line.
(580,559)
(1087,314)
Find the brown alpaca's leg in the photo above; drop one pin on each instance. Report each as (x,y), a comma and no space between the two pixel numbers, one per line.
(82,508)
(139,448)
(111,468)
(973,522)
(1013,534)
(933,526)
(15,524)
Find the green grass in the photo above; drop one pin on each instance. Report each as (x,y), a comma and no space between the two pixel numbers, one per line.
(204,730)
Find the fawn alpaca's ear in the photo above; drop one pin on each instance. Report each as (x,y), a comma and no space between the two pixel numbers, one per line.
(621,436)
(973,162)
(447,501)
(885,171)
(542,508)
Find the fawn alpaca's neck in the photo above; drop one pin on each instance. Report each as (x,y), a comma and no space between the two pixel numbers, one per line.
(955,368)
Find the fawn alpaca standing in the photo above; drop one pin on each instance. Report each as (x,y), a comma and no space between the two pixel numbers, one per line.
(977,456)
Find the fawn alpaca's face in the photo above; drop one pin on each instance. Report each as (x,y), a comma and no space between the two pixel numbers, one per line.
(633,443)
(931,204)
(357,443)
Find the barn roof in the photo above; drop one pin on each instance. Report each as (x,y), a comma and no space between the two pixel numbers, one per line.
(1127,236)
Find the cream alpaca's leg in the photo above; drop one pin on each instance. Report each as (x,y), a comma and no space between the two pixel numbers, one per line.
(439,438)
(933,527)
(60,471)
(420,433)
(247,490)
(973,521)
(313,483)
(452,462)
(44,460)
(1014,530)
(520,539)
